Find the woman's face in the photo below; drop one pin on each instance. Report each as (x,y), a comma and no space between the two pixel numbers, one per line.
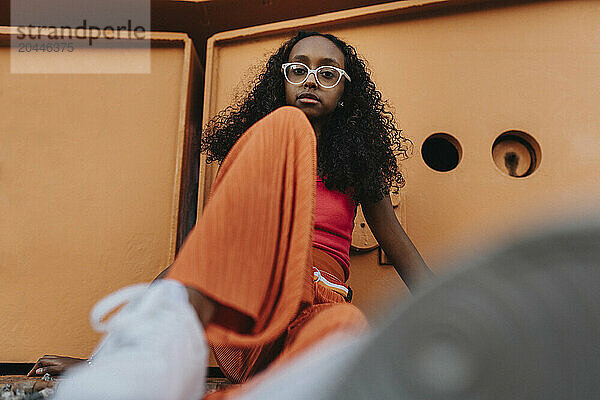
(316,102)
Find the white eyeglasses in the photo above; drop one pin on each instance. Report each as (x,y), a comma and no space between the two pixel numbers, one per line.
(327,76)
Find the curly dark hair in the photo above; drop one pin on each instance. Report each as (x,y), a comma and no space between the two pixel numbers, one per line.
(358,145)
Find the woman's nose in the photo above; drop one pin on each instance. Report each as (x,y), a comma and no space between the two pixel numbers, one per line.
(311,80)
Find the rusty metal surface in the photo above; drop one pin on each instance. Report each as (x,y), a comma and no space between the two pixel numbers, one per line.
(216,384)
(20,387)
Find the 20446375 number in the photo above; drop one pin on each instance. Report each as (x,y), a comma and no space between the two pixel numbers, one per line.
(46,47)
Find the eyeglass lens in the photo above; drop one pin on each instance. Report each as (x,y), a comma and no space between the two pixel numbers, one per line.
(326,76)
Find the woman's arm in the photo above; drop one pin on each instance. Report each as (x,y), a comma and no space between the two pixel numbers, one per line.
(395,242)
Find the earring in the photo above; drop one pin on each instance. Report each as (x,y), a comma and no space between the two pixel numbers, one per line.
(341,104)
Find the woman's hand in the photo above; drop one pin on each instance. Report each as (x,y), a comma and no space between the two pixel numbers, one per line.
(54,365)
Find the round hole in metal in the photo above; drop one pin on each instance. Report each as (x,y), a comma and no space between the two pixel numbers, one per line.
(516,153)
(441,152)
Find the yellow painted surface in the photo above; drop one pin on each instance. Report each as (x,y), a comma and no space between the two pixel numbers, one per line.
(90,169)
(473,75)
(90,164)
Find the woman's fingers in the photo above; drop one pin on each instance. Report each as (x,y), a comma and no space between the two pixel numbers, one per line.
(39,363)
(53,365)
(37,367)
(51,369)
(32,371)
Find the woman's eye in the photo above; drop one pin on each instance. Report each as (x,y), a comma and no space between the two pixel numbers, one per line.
(327,74)
(299,71)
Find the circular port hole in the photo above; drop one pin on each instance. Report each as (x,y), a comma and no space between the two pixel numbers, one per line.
(516,153)
(441,152)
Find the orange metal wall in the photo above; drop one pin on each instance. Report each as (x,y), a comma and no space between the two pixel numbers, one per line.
(90,176)
(473,75)
(90,165)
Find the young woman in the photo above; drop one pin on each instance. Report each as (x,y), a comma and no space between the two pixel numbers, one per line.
(266,265)
(357,140)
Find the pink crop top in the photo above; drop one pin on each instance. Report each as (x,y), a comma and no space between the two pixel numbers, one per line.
(334,221)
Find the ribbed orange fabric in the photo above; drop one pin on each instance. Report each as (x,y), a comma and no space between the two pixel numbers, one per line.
(328,314)
(251,251)
(327,263)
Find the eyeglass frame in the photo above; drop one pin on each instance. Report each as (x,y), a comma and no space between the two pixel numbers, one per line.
(343,74)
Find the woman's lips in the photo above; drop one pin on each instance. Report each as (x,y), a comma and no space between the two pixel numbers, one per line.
(308,98)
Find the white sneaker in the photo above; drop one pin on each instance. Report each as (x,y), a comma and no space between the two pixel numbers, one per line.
(154,348)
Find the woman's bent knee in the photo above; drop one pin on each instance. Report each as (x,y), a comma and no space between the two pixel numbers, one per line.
(290,120)
(293,113)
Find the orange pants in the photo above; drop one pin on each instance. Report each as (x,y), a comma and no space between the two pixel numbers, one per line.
(251,251)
